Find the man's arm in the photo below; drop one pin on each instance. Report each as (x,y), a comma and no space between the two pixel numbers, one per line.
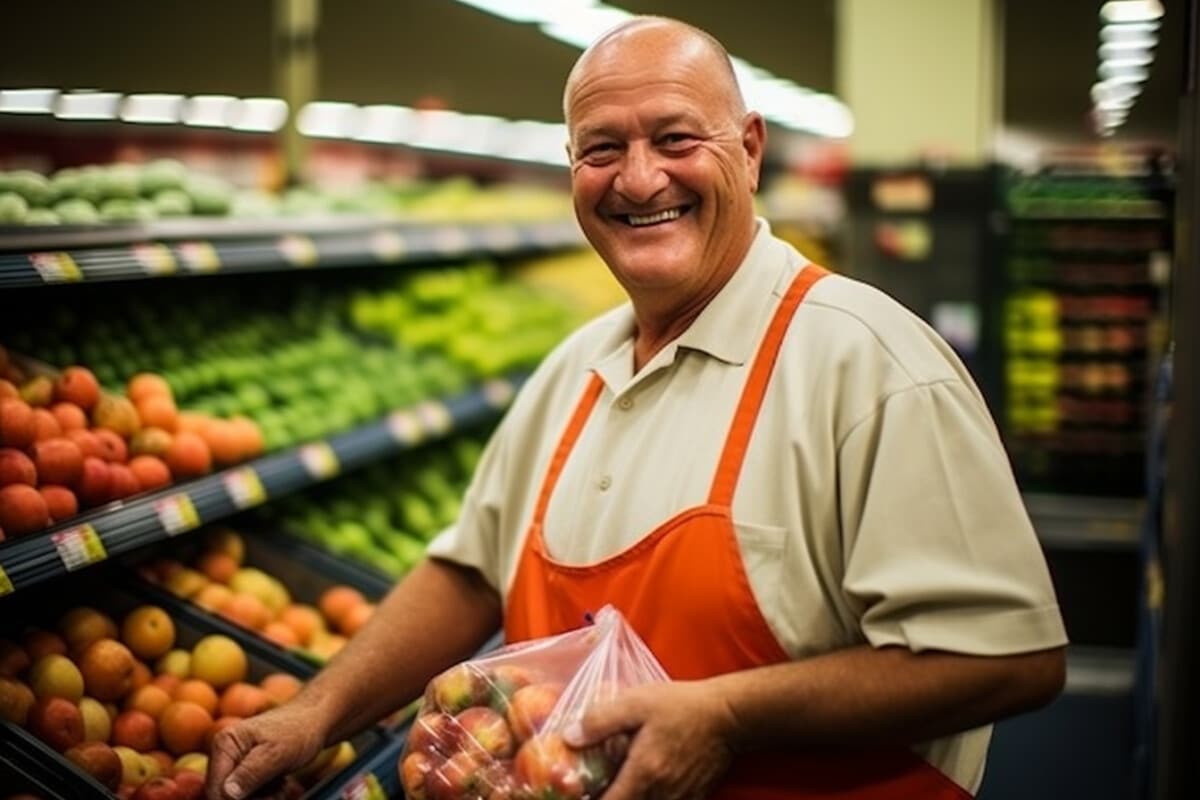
(687,733)
(439,615)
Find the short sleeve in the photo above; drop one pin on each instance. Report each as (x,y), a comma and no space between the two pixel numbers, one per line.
(939,551)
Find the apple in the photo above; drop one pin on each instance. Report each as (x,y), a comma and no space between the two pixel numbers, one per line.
(58,722)
(546,767)
(436,733)
(487,731)
(189,784)
(460,687)
(414,769)
(530,707)
(157,789)
(506,679)
(98,760)
(456,778)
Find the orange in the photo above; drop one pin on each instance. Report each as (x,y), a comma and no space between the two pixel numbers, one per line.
(217,566)
(281,686)
(183,726)
(213,596)
(281,634)
(150,699)
(83,625)
(352,620)
(157,412)
(141,676)
(244,700)
(198,692)
(246,610)
(107,668)
(337,600)
(147,384)
(304,620)
(149,632)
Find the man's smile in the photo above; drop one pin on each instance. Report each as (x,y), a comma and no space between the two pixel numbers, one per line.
(656,218)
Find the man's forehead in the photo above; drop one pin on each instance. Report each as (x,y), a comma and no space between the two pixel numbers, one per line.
(652,117)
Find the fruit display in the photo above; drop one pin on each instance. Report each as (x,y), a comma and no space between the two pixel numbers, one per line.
(164,189)
(65,445)
(313,357)
(134,698)
(384,515)
(244,580)
(492,727)
(1082,326)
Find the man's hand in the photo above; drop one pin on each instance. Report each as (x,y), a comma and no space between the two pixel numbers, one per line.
(250,754)
(681,740)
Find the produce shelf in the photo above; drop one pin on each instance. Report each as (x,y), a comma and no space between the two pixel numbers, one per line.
(124,526)
(66,254)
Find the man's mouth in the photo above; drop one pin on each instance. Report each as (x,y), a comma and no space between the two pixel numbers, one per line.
(657,218)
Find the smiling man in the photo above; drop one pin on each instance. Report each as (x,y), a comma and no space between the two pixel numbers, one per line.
(788,484)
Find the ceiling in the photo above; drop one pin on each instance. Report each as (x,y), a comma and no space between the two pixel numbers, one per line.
(401,51)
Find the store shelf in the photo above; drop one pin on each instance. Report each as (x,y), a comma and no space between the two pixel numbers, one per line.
(36,257)
(1079,522)
(125,526)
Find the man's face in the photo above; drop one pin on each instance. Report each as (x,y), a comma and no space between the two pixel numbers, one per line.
(663,170)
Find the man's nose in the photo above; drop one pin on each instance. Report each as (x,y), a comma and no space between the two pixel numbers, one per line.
(641,176)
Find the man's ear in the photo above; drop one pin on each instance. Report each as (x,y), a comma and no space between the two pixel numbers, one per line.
(754,142)
(567,147)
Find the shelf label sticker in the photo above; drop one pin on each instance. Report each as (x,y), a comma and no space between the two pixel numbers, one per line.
(319,460)
(364,786)
(56,267)
(450,239)
(155,259)
(498,393)
(177,514)
(298,250)
(388,245)
(78,547)
(500,237)
(244,487)
(405,427)
(435,417)
(6,586)
(199,257)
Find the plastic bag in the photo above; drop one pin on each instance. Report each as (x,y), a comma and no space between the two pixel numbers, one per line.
(490,729)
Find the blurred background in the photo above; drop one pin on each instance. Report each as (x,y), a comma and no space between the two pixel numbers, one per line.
(320,224)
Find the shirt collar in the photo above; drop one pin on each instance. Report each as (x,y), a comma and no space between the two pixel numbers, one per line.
(727,329)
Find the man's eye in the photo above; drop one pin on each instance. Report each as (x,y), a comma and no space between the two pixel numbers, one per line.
(677,139)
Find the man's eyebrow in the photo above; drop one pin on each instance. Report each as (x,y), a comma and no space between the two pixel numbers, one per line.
(666,121)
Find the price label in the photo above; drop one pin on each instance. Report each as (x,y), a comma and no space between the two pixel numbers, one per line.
(155,259)
(244,487)
(319,460)
(78,547)
(364,786)
(435,417)
(405,427)
(177,514)
(388,245)
(6,586)
(56,267)
(498,393)
(298,250)
(450,239)
(501,237)
(200,257)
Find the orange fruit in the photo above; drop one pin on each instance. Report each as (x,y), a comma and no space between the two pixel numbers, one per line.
(39,643)
(157,412)
(304,620)
(280,634)
(151,472)
(83,625)
(147,384)
(198,692)
(352,620)
(150,699)
(217,566)
(107,668)
(337,600)
(246,610)
(183,726)
(188,456)
(70,416)
(77,385)
(213,596)
(281,686)
(135,729)
(149,632)
(244,700)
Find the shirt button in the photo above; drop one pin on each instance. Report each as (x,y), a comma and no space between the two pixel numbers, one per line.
(604,483)
(625,403)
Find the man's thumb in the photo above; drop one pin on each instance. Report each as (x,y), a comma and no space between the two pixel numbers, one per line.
(600,722)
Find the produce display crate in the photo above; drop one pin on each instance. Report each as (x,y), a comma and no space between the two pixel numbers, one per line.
(110,592)
(26,779)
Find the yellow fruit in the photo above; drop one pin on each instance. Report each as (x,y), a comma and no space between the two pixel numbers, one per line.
(218,660)
(185,582)
(56,676)
(177,663)
(196,762)
(97,724)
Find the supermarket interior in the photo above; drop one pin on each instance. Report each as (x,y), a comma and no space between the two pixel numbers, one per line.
(272,273)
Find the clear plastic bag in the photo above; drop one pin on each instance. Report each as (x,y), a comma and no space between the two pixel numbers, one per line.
(490,729)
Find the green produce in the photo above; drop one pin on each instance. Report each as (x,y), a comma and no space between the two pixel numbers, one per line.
(13,208)
(76,211)
(172,203)
(41,216)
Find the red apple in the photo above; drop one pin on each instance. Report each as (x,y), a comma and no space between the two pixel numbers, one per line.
(157,789)
(58,722)
(546,767)
(506,679)
(460,687)
(457,778)
(95,483)
(414,769)
(189,784)
(435,734)
(530,707)
(487,731)
(98,760)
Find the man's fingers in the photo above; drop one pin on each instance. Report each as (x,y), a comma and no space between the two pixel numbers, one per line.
(630,783)
(226,752)
(605,719)
(258,766)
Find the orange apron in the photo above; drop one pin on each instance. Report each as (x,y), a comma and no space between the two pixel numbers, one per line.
(684,590)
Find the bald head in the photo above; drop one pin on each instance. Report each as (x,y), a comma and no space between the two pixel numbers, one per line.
(667,41)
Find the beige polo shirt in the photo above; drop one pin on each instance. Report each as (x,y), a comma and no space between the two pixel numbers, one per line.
(876,503)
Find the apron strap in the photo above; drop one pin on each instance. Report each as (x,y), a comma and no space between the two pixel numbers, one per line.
(578,419)
(738,440)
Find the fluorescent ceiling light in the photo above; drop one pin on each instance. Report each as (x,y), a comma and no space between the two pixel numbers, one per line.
(157,109)
(1112,51)
(329,120)
(1131,10)
(27,101)
(87,105)
(580,22)
(209,110)
(385,124)
(259,114)
(1131,40)
(1114,73)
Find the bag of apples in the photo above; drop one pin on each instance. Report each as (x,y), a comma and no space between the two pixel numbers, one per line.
(489,729)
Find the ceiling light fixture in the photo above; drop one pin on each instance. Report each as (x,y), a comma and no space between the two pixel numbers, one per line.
(1131,10)
(154,109)
(27,101)
(1128,37)
(87,105)
(578,23)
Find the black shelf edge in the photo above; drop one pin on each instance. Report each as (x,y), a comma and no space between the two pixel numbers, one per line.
(1085,522)
(121,527)
(241,247)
